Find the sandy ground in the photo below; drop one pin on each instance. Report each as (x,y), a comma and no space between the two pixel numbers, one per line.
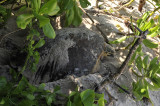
(112,26)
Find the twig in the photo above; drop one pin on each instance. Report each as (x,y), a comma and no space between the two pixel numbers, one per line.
(114,77)
(9,34)
(125,5)
(152,4)
(156,9)
(103,34)
(108,13)
(131,95)
(110,96)
(97,3)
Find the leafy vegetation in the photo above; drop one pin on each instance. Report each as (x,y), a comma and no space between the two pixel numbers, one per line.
(86,98)
(147,75)
(37,12)
(23,93)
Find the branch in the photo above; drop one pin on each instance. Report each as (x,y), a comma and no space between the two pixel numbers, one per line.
(103,34)
(9,34)
(125,5)
(114,77)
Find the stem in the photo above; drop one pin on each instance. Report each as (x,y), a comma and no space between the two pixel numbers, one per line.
(9,34)
(114,77)
(136,74)
(155,10)
(96,3)
(151,3)
(129,44)
(28,56)
(124,64)
(102,33)
(126,5)
(25,64)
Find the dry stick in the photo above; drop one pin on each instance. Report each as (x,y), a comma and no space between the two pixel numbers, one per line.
(131,95)
(156,9)
(103,34)
(9,34)
(97,1)
(115,15)
(152,4)
(125,5)
(111,98)
(124,64)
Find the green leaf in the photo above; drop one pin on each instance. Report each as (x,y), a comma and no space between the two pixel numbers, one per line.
(1,20)
(148,25)
(22,9)
(144,17)
(155,69)
(32,88)
(132,58)
(99,95)
(87,97)
(119,40)
(140,89)
(154,34)
(49,8)
(139,63)
(42,20)
(101,102)
(73,16)
(23,20)
(145,62)
(154,29)
(85,3)
(36,57)
(26,102)
(54,12)
(49,31)
(36,4)
(2,102)
(140,23)
(49,100)
(2,10)
(68,4)
(152,86)
(149,44)
(41,86)
(77,16)
(69,17)
(77,100)
(153,62)
(21,86)
(57,88)
(30,97)
(34,32)
(40,43)
(139,49)
(155,82)
(3,82)
(72,93)
(69,103)
(159,19)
